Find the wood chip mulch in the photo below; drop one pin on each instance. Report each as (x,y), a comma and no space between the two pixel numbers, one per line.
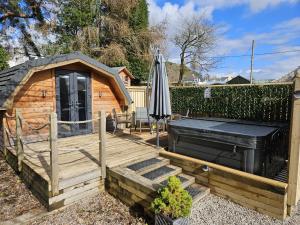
(101,209)
(15,198)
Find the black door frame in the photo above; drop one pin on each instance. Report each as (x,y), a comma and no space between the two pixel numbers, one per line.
(74,129)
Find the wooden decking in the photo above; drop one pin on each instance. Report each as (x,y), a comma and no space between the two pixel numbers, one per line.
(79,171)
(77,155)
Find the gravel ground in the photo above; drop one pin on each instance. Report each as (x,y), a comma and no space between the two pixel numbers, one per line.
(218,211)
(15,198)
(101,209)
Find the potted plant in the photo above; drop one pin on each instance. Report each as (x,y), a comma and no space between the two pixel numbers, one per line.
(173,204)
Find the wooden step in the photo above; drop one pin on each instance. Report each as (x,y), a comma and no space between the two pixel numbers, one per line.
(140,159)
(197,191)
(69,182)
(185,179)
(162,173)
(161,162)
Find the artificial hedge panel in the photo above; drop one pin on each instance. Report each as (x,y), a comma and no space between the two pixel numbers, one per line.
(271,103)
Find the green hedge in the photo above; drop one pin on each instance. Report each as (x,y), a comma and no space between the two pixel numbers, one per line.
(248,102)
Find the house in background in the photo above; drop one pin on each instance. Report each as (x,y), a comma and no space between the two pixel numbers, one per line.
(238,80)
(125,75)
(73,85)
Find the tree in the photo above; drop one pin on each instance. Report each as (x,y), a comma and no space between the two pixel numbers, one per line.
(114,32)
(23,16)
(138,57)
(4,57)
(195,39)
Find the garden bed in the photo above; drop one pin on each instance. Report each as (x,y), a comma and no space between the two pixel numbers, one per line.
(15,198)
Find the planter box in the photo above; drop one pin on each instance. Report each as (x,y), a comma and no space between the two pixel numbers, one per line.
(164,220)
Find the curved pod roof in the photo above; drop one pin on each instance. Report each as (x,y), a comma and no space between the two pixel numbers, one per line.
(12,78)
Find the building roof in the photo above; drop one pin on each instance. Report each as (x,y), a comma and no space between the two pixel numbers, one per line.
(12,77)
(239,80)
(121,68)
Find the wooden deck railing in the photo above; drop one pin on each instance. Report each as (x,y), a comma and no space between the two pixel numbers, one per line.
(54,165)
(16,141)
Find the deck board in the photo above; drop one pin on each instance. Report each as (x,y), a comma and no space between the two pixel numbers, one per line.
(119,149)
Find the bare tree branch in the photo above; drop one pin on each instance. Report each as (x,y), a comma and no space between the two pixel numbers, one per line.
(195,40)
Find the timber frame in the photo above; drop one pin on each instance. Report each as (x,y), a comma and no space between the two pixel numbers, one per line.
(294,150)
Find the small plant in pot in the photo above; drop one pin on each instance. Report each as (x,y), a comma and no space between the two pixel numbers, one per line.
(173,204)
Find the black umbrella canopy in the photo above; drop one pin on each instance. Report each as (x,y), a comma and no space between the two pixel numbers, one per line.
(160,106)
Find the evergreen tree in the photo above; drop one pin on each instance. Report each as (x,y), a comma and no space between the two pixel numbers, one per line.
(139,22)
(4,57)
(114,32)
(139,16)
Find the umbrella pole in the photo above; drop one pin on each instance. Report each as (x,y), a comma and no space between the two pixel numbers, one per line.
(157,135)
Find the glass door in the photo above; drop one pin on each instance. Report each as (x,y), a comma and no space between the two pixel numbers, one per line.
(73,101)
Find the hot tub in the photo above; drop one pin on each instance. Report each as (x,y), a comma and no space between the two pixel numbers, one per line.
(236,144)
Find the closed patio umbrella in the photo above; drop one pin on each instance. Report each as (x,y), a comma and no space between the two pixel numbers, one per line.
(160,107)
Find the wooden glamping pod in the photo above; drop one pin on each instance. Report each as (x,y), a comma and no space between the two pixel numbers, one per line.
(74,86)
(44,99)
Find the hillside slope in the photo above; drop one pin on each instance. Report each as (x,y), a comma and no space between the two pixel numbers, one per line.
(173,72)
(289,77)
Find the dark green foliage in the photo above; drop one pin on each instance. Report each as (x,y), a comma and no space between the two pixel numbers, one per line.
(139,17)
(4,57)
(122,39)
(139,67)
(248,102)
(75,15)
(173,201)
(138,21)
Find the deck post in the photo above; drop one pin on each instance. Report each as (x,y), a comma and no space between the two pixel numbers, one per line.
(18,145)
(102,142)
(53,154)
(294,148)
(4,137)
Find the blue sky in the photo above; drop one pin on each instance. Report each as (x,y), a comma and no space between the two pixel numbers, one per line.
(273,24)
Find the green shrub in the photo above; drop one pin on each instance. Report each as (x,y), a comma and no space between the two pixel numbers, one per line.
(173,201)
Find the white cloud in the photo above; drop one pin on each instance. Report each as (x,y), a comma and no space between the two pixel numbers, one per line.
(254,5)
(279,35)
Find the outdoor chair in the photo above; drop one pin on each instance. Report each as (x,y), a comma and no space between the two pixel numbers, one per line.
(121,118)
(141,116)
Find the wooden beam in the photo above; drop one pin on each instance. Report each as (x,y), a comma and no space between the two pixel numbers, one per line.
(5,143)
(102,142)
(54,155)
(294,154)
(250,176)
(19,147)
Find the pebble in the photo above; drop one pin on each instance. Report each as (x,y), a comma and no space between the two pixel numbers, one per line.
(214,210)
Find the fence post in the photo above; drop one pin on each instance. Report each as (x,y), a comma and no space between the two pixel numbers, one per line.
(102,142)
(53,154)
(294,147)
(19,148)
(4,137)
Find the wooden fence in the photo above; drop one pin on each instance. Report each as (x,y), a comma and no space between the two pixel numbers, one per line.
(138,95)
